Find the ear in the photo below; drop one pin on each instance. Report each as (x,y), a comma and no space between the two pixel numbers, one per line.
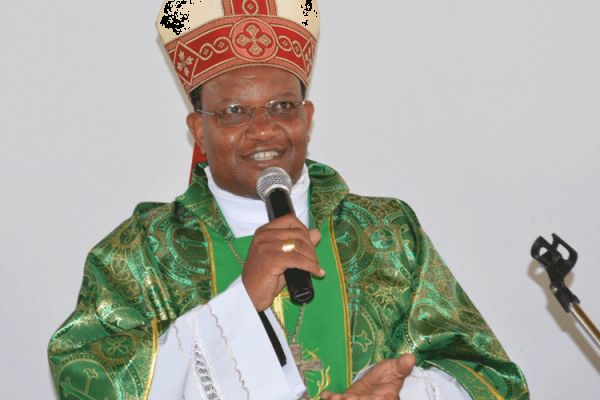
(195,123)
(309,110)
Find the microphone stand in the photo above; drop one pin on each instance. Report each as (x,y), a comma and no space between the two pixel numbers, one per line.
(557,268)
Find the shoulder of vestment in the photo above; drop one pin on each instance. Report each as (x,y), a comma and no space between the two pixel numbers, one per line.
(381,217)
(382,207)
(156,261)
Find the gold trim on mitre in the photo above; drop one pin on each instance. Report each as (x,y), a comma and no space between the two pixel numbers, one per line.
(206,38)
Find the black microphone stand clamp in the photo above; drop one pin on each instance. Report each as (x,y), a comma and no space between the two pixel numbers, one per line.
(557,268)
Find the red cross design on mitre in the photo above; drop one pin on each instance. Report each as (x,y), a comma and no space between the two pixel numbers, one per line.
(185,62)
(253,40)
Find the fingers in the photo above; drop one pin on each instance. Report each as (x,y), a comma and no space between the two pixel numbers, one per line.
(287,221)
(315,236)
(297,259)
(276,238)
(400,367)
(385,378)
(302,256)
(327,395)
(395,369)
(271,237)
(304,242)
(290,222)
(382,382)
(267,261)
(404,364)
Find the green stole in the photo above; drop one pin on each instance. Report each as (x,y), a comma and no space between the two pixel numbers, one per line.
(325,330)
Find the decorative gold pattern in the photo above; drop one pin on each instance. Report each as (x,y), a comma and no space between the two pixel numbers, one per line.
(205,39)
(154,354)
(278,305)
(213,268)
(345,299)
(253,39)
(158,265)
(489,387)
(293,46)
(219,46)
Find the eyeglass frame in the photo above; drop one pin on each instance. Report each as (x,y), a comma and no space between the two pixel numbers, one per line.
(252,111)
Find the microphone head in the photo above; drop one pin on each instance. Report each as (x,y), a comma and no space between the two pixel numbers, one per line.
(270,179)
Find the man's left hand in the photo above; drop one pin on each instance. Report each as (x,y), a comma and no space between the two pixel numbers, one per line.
(382,382)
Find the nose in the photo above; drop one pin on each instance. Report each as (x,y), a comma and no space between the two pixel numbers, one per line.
(261,126)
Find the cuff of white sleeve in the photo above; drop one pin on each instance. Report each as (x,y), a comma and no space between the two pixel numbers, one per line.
(432,383)
(428,384)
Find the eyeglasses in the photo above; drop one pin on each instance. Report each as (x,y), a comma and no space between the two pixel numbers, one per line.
(237,114)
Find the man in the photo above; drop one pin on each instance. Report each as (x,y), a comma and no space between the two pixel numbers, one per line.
(205,273)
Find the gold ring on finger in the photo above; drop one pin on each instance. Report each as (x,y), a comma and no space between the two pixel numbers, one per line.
(288,246)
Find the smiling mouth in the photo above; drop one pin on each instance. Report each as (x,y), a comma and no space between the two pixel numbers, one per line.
(265,155)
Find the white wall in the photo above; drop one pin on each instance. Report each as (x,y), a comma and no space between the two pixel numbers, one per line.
(483,115)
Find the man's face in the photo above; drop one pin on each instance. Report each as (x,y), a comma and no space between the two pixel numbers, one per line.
(236,154)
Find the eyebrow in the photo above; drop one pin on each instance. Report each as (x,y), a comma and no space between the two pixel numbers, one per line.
(284,94)
(230,100)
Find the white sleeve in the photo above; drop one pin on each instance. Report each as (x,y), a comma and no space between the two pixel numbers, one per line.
(432,383)
(220,350)
(428,384)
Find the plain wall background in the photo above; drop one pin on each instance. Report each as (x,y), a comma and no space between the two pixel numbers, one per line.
(483,115)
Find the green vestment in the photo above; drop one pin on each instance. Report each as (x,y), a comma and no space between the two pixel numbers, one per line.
(396,292)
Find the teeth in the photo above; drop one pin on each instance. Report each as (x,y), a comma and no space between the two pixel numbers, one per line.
(264,155)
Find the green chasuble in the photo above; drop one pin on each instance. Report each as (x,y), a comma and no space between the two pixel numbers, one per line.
(387,292)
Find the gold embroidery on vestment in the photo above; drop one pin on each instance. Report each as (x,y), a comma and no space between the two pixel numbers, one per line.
(154,326)
(338,264)
(211,256)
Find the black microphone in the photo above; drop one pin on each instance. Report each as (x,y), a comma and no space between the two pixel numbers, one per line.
(274,186)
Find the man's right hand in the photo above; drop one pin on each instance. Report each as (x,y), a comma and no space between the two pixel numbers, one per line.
(262,275)
(382,382)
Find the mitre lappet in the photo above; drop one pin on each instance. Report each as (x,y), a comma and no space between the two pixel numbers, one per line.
(205,38)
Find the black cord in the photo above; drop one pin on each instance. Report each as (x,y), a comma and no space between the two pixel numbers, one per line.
(273,338)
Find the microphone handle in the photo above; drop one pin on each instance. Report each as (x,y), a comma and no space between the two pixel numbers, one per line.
(279,204)
(299,282)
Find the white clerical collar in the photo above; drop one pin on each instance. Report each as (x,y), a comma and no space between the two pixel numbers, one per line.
(245,215)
